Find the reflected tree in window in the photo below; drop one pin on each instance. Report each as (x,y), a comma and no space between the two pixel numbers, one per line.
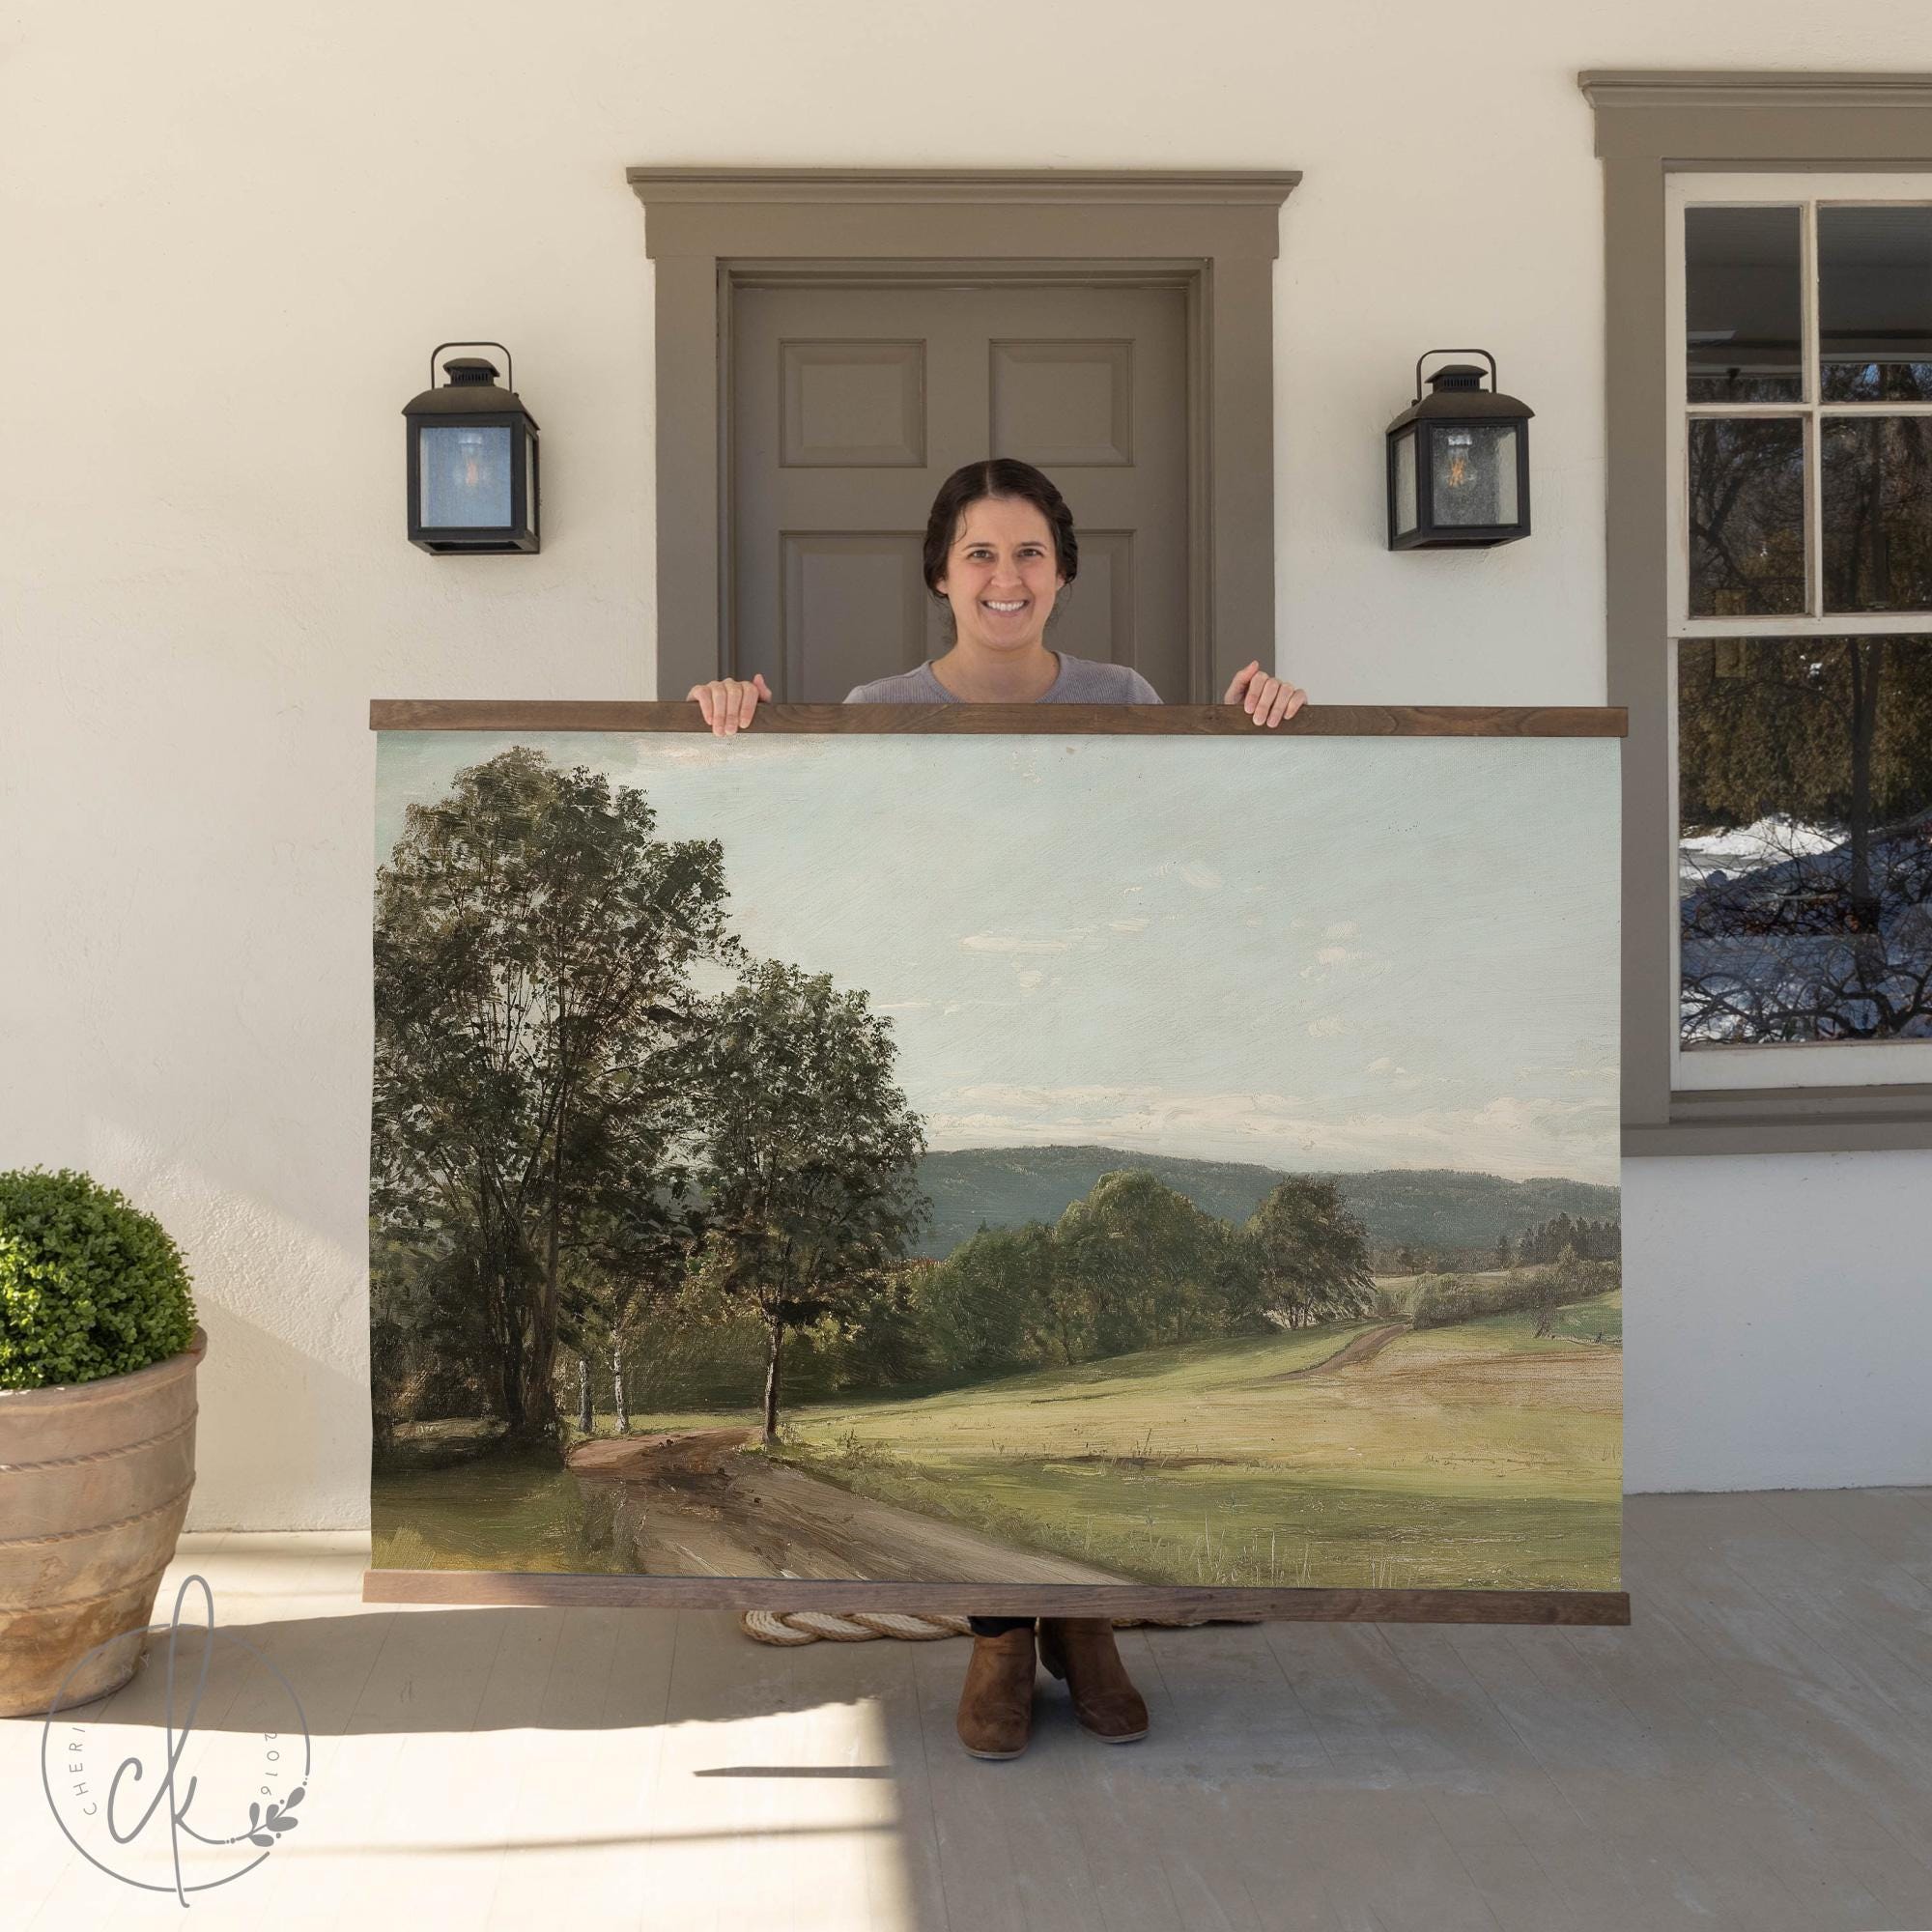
(1747,516)
(1877,504)
(1805,839)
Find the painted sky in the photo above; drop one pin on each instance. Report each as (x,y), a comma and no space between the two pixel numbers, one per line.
(1310,953)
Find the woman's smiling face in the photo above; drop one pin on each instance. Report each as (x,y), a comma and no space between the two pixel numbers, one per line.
(1000,575)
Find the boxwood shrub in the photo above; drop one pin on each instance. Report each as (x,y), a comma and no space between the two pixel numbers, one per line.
(89,1285)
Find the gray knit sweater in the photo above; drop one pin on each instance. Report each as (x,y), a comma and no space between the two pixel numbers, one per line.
(1080,681)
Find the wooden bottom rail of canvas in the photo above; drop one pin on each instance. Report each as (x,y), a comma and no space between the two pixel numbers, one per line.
(789,1627)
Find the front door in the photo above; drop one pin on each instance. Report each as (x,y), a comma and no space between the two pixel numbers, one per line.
(850,406)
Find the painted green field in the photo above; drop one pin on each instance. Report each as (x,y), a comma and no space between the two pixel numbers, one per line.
(1601,1320)
(500,1511)
(1471,1455)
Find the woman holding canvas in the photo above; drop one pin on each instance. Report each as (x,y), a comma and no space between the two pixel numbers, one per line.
(999,548)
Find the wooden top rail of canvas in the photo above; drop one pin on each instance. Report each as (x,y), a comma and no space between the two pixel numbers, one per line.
(1312,721)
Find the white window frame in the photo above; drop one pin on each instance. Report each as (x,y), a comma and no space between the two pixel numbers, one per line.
(1722,1067)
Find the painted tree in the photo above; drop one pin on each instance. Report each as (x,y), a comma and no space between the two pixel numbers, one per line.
(432,1332)
(633,1247)
(533,943)
(1143,1261)
(1593,1240)
(808,1158)
(879,1336)
(994,1304)
(1311,1255)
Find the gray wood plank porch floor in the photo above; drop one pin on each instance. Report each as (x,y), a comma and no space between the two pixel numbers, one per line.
(1754,1751)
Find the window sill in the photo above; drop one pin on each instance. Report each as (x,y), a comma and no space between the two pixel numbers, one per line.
(1788,1120)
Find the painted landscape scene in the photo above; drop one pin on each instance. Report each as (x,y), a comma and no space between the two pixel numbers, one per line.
(1079,1158)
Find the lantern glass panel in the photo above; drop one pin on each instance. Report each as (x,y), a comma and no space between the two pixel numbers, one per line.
(1472,475)
(466,477)
(1404,483)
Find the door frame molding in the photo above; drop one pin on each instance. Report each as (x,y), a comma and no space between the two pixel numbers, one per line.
(711,231)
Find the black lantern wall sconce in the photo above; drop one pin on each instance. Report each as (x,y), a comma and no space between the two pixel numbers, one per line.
(1459,461)
(472,461)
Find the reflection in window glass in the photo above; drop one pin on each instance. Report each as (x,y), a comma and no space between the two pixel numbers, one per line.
(1741,299)
(1876,496)
(1875,304)
(1747,516)
(1805,847)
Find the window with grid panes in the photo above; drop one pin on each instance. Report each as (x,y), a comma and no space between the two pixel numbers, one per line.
(1801,594)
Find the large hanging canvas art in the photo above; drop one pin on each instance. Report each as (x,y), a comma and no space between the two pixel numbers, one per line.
(999,1160)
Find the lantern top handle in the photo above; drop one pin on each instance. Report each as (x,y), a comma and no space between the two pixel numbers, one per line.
(1495,379)
(510,368)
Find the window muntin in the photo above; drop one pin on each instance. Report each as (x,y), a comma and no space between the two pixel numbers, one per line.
(1801,591)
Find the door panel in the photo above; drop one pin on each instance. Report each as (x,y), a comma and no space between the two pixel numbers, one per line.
(840,588)
(1065,403)
(1104,604)
(850,406)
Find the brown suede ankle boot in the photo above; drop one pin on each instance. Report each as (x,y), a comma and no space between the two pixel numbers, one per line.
(996,1700)
(1081,1650)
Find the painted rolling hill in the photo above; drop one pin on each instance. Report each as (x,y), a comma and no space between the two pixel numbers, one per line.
(1431,1207)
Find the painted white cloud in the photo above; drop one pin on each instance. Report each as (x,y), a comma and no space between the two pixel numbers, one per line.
(1388,1073)
(1007,942)
(1605,1077)
(1329,961)
(1327,1026)
(995,1095)
(1244,1125)
(1202,878)
(1512,1135)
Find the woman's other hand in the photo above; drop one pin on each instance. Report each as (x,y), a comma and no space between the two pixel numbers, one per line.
(1266,699)
(729,702)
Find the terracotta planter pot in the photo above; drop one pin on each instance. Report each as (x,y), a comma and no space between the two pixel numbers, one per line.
(94,1486)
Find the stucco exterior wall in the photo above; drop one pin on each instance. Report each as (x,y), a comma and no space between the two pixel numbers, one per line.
(231,235)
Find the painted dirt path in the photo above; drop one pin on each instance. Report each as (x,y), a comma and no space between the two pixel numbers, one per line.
(1362,1348)
(690,1505)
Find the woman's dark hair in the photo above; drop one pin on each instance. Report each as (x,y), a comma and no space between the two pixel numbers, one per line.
(997,476)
